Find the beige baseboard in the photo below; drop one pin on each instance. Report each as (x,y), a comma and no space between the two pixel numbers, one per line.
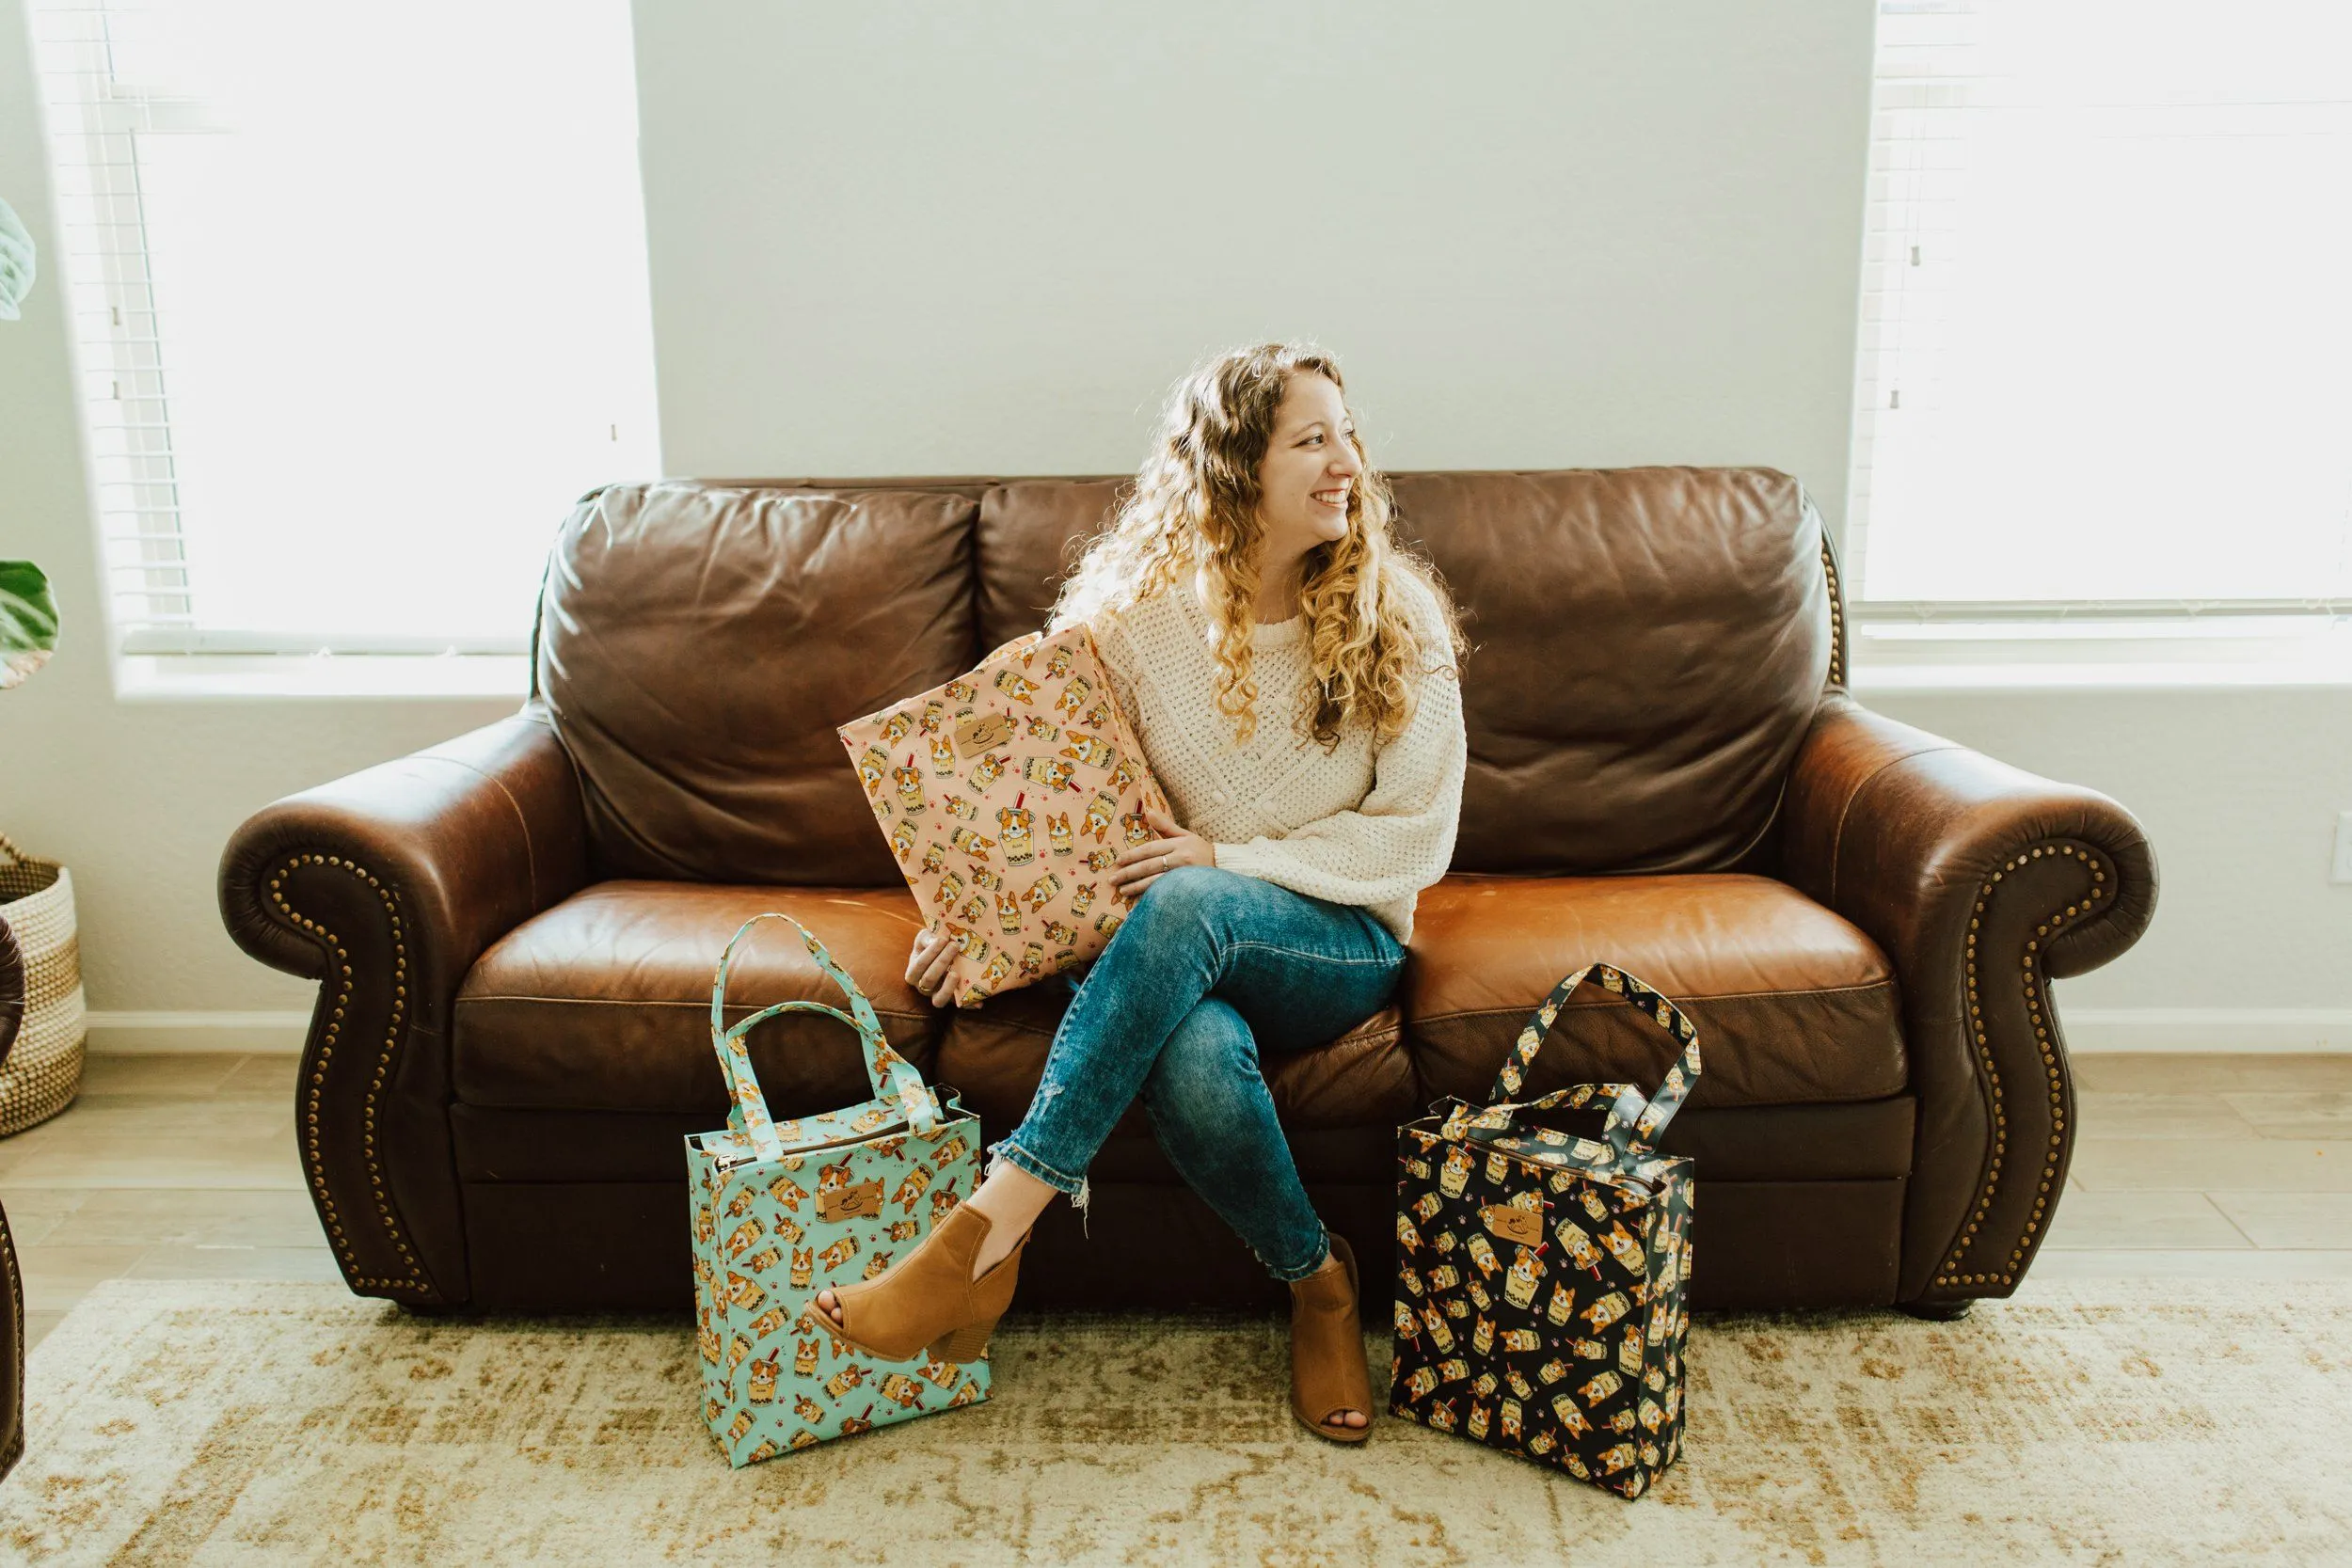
(2214,1030)
(133,1034)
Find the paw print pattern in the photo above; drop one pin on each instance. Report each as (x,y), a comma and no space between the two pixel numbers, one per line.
(1563,1251)
(1025,759)
(774,1380)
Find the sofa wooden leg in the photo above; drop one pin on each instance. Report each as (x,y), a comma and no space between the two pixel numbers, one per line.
(1936,1311)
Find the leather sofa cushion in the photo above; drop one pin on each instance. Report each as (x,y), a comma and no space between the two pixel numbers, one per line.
(1793,1004)
(1028,539)
(993,1055)
(698,641)
(1649,645)
(602,1003)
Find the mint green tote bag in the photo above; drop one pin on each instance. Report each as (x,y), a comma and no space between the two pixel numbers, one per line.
(782,1210)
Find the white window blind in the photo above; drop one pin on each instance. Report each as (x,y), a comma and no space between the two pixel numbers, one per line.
(360,302)
(2106,319)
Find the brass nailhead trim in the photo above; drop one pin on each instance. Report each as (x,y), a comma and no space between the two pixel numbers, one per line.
(1946,1273)
(313,1156)
(1837,619)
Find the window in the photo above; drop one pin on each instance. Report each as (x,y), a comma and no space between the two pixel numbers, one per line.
(361,303)
(2105,317)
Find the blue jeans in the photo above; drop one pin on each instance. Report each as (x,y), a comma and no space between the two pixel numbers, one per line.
(1210,968)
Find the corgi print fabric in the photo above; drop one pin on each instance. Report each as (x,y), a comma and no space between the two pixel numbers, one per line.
(780,1211)
(1007,794)
(1543,1275)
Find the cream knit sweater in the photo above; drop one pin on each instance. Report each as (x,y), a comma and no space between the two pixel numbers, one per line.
(1362,825)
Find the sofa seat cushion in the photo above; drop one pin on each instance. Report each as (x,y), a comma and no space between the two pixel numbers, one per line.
(1793,1004)
(603,1001)
(994,1056)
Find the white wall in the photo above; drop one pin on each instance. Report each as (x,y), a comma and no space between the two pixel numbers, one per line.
(891,238)
(886,239)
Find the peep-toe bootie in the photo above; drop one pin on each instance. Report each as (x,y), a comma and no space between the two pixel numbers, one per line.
(1327,1369)
(929,1298)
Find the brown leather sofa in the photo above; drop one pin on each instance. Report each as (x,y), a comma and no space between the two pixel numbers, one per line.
(514,931)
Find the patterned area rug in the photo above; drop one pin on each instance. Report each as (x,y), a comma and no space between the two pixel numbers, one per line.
(2106,1421)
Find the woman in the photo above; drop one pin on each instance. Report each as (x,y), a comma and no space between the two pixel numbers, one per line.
(1251,566)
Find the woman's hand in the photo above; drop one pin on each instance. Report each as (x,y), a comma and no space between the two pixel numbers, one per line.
(1141,864)
(927,966)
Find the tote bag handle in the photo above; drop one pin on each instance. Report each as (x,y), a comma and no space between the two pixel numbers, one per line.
(889,1074)
(1634,1120)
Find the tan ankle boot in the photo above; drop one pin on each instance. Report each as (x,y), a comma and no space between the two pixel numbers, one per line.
(928,1298)
(1327,1371)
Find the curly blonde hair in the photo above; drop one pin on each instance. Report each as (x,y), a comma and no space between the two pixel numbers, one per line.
(1196,499)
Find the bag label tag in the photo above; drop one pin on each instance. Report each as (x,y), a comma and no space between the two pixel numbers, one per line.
(864,1199)
(982,732)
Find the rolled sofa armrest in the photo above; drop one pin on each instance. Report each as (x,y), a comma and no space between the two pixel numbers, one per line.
(385,886)
(1982,883)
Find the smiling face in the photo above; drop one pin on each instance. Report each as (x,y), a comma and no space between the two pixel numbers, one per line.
(1307,480)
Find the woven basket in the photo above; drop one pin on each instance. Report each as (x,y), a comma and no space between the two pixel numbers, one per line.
(44,1071)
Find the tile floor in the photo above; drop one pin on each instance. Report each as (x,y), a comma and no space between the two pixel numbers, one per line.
(183,1167)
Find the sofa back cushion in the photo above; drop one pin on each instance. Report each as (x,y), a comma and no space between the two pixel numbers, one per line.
(1028,539)
(697,642)
(1648,646)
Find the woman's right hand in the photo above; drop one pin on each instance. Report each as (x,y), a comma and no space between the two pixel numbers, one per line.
(927,966)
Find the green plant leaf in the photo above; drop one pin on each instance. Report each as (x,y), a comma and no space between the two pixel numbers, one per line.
(28,621)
